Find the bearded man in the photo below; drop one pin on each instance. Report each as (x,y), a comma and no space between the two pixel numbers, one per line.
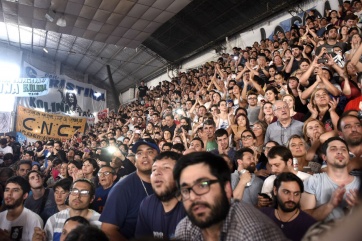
(160,212)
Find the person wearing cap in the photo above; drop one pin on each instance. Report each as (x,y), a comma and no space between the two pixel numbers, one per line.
(120,212)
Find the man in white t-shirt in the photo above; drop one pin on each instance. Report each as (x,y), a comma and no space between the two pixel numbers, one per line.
(280,159)
(17,222)
(4,149)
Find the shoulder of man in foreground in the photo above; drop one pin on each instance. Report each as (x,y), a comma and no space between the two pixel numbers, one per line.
(244,222)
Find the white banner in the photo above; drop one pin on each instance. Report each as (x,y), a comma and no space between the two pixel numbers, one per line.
(66,96)
(24,87)
(5,121)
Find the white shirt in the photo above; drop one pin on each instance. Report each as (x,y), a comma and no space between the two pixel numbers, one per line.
(269,182)
(22,228)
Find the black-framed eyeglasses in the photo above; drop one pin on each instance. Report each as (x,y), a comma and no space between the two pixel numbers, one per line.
(104,173)
(248,137)
(199,188)
(82,193)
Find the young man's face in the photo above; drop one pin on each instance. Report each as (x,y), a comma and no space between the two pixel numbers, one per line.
(288,196)
(210,207)
(14,196)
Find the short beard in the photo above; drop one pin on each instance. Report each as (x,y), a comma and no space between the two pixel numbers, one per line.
(282,206)
(218,213)
(167,195)
(16,204)
(250,168)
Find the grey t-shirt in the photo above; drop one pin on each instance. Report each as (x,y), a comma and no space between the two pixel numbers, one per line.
(322,187)
(35,205)
(251,192)
(253,114)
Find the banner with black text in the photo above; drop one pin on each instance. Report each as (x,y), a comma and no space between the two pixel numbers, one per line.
(66,96)
(44,126)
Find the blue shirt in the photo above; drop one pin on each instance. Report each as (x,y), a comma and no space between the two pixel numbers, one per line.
(154,222)
(123,203)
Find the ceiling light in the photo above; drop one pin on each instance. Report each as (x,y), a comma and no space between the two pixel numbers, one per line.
(61,22)
(45,50)
(50,15)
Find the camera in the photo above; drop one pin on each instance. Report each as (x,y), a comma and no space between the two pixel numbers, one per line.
(322,61)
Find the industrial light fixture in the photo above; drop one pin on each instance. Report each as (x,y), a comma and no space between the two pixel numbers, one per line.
(45,50)
(50,15)
(61,22)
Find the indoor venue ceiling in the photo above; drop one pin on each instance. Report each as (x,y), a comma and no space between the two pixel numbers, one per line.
(139,39)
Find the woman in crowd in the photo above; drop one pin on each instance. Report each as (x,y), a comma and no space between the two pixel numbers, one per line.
(64,170)
(293,89)
(355,43)
(289,99)
(167,136)
(149,129)
(271,94)
(248,139)
(75,170)
(241,123)
(259,129)
(323,108)
(278,63)
(312,131)
(90,169)
(272,70)
(266,113)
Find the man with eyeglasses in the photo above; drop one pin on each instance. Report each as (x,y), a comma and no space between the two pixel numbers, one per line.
(107,177)
(204,183)
(120,213)
(253,109)
(161,212)
(350,129)
(80,197)
(281,130)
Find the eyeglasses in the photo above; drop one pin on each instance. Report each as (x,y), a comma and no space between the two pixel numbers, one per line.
(199,188)
(248,137)
(252,98)
(281,108)
(82,193)
(104,173)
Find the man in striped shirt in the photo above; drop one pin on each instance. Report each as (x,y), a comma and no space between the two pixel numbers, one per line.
(81,195)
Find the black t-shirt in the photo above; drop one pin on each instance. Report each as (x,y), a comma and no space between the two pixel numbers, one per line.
(142,91)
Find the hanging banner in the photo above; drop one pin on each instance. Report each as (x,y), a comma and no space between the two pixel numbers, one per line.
(24,87)
(44,126)
(5,122)
(66,96)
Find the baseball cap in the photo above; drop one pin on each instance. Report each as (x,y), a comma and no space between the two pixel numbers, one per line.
(149,142)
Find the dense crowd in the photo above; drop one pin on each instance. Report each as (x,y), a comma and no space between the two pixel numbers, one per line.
(277,125)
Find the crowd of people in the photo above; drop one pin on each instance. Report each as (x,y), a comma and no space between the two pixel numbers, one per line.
(275,126)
